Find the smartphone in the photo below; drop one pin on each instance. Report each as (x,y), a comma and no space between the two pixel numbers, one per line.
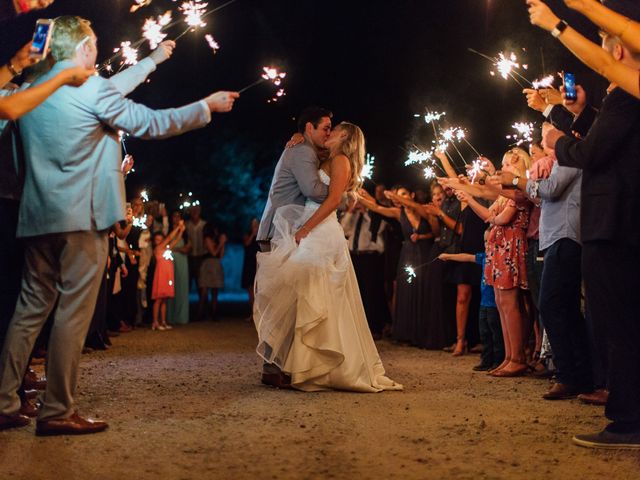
(569,81)
(41,39)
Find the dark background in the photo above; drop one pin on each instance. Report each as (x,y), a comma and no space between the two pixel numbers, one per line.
(372,62)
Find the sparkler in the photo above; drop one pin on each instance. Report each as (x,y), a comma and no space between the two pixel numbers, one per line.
(506,65)
(140,222)
(152,29)
(523,133)
(411,273)
(417,156)
(215,46)
(477,167)
(194,11)
(367,168)
(168,254)
(269,74)
(544,82)
(189,202)
(144,196)
(431,117)
(429,173)
(129,53)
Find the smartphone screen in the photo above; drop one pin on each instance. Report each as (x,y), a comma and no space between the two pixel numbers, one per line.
(570,86)
(41,37)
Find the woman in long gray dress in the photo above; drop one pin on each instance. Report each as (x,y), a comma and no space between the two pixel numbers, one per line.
(178,306)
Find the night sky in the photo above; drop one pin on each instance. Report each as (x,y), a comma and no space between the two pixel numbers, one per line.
(373,62)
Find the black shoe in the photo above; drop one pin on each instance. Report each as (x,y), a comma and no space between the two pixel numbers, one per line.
(609,440)
(482,368)
(278,380)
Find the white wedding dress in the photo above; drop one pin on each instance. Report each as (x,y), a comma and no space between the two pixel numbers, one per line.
(308,311)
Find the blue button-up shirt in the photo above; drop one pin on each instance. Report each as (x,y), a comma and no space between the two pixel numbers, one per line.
(560,208)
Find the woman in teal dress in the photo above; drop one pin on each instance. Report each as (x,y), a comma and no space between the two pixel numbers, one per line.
(178,307)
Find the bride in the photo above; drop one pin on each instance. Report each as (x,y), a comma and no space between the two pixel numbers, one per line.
(308,312)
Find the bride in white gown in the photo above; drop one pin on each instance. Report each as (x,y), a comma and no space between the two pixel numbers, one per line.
(308,311)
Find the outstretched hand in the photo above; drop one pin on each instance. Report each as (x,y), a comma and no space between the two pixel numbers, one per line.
(221,102)
(541,15)
(163,52)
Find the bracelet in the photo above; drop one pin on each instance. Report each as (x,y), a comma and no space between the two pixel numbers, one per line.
(13,70)
(559,28)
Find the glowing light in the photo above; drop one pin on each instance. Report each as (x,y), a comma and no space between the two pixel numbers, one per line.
(152,29)
(523,133)
(367,168)
(417,156)
(411,273)
(168,254)
(545,82)
(140,222)
(505,64)
(429,173)
(193,11)
(433,116)
(212,43)
(475,170)
(144,196)
(129,53)
(273,75)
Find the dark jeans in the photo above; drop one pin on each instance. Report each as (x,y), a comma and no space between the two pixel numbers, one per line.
(561,315)
(534,270)
(612,275)
(491,337)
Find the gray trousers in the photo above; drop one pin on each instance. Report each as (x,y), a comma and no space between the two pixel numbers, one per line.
(62,267)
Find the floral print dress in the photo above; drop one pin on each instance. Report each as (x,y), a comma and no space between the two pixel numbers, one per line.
(506,248)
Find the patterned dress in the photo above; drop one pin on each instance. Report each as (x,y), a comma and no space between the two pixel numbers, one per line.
(506,248)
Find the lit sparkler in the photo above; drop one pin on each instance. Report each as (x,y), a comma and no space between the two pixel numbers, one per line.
(367,168)
(215,46)
(523,133)
(431,117)
(506,65)
(168,254)
(279,94)
(144,196)
(129,53)
(268,74)
(152,29)
(417,156)
(411,273)
(545,82)
(140,222)
(429,173)
(193,11)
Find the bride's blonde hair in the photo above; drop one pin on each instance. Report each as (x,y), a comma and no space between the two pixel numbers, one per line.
(353,148)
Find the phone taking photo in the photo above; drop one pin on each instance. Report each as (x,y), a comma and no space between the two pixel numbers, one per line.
(569,81)
(41,39)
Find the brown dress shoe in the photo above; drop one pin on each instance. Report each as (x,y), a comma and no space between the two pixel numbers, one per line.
(561,391)
(32,382)
(74,425)
(278,380)
(13,421)
(599,397)
(29,409)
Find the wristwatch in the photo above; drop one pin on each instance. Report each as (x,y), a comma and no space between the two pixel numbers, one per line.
(515,181)
(559,28)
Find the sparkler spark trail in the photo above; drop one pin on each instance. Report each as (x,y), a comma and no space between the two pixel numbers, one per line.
(152,29)
(417,156)
(545,82)
(129,53)
(268,74)
(431,117)
(168,254)
(193,11)
(477,167)
(212,43)
(144,196)
(506,65)
(411,273)
(140,222)
(429,173)
(367,168)
(523,134)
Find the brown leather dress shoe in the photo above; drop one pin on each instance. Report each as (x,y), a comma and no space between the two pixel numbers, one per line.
(74,425)
(278,380)
(29,409)
(13,421)
(599,397)
(561,391)
(32,382)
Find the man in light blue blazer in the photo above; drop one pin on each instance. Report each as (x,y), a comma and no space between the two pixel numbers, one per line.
(73,193)
(295,180)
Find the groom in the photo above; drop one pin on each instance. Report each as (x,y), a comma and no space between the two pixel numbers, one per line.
(294,181)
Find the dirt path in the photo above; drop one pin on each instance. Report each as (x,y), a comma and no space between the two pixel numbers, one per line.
(187,404)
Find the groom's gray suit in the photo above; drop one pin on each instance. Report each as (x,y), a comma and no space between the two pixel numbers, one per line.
(73,192)
(295,179)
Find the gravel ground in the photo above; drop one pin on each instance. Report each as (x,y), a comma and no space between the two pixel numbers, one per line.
(187,404)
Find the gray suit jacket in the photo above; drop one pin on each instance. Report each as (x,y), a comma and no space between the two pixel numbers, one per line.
(295,179)
(72,153)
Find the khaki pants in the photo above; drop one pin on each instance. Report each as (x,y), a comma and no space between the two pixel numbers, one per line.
(62,267)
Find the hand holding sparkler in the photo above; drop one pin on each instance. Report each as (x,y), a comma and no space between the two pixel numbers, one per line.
(221,102)
(163,52)
(535,101)
(541,15)
(126,165)
(550,135)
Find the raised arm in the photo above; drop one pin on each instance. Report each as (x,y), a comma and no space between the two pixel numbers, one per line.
(626,29)
(588,52)
(16,105)
(446,164)
(369,202)
(129,79)
(340,176)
